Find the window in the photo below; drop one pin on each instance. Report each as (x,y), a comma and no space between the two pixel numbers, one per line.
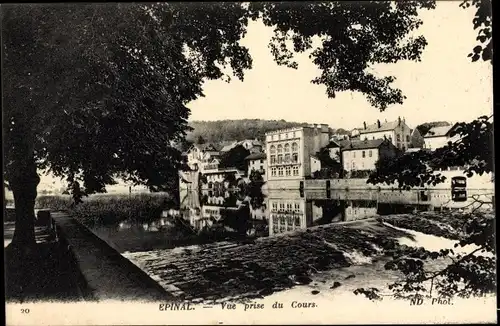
(363,154)
(287,158)
(280,158)
(261,161)
(280,149)
(373,138)
(273,172)
(289,207)
(398,137)
(297,207)
(295,170)
(354,165)
(370,153)
(280,171)
(288,171)
(273,159)
(287,148)
(407,138)
(295,158)
(282,207)
(294,134)
(279,136)
(275,206)
(272,150)
(295,147)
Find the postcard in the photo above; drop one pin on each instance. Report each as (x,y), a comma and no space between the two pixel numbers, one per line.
(250,163)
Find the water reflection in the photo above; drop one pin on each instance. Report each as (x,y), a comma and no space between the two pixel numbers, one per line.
(219,214)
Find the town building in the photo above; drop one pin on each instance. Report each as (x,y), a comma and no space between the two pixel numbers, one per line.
(220,178)
(315,164)
(334,149)
(288,151)
(257,162)
(438,137)
(363,154)
(200,154)
(397,132)
(416,139)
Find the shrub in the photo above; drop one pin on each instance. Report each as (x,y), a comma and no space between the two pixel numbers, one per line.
(111,209)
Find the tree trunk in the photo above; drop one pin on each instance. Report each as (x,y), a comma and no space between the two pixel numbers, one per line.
(24,190)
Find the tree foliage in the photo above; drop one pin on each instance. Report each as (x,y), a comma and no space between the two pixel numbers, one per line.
(352,36)
(482,22)
(465,275)
(235,158)
(119,79)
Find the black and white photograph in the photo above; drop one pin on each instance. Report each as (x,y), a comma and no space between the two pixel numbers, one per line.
(248,163)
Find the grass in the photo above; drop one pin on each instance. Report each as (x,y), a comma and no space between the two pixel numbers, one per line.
(111,209)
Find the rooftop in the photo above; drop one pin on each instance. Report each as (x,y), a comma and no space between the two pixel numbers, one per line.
(384,126)
(310,126)
(438,131)
(363,144)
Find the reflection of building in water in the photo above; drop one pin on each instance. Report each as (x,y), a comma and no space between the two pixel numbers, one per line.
(359,209)
(286,215)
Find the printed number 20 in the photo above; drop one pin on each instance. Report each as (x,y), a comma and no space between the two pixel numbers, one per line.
(25,311)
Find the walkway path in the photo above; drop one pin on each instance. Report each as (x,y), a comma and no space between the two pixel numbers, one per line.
(44,272)
(108,274)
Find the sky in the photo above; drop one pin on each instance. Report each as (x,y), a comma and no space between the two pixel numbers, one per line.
(444,86)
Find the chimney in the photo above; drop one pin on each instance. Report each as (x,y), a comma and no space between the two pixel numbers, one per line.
(378,124)
(399,121)
(364,124)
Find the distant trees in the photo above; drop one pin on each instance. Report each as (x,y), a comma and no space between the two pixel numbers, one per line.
(230,130)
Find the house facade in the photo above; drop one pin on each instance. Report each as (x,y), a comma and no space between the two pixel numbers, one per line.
(397,132)
(201,154)
(288,151)
(363,154)
(257,162)
(438,137)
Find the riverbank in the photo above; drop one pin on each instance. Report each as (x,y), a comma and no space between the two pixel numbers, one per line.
(104,209)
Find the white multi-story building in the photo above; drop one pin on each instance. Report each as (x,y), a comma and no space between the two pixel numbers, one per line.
(438,137)
(288,151)
(397,132)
